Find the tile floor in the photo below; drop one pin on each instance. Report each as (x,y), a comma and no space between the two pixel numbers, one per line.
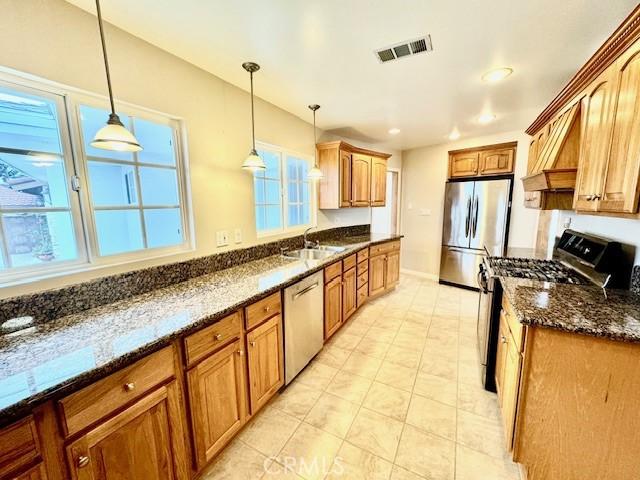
(395,395)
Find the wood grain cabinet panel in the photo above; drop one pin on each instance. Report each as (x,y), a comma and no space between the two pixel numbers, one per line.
(349,292)
(19,446)
(345,179)
(496,162)
(377,272)
(217,398)
(378,181)
(36,472)
(361,180)
(200,344)
(265,362)
(463,164)
(363,295)
(260,311)
(332,306)
(143,441)
(392,276)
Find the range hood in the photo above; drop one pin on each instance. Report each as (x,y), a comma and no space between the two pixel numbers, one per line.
(556,165)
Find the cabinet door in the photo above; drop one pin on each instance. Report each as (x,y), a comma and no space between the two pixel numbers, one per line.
(620,192)
(392,267)
(332,306)
(377,273)
(501,352)
(265,358)
(143,441)
(349,290)
(378,181)
(360,180)
(217,394)
(463,164)
(510,389)
(345,179)
(535,147)
(496,162)
(594,144)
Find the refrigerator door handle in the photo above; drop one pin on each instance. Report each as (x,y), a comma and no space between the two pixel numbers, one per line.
(475,216)
(467,222)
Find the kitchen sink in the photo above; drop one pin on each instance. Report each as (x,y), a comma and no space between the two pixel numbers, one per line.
(316,253)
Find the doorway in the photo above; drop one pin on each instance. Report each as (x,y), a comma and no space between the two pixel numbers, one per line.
(387,219)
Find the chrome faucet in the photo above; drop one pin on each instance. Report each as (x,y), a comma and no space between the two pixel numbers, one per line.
(308,243)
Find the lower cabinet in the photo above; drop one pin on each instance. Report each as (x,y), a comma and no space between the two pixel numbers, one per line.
(143,441)
(217,396)
(332,301)
(384,267)
(377,270)
(265,360)
(35,473)
(392,270)
(349,293)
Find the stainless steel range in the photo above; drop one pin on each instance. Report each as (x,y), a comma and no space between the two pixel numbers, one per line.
(578,259)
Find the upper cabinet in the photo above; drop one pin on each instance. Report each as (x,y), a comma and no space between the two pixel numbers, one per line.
(586,143)
(353,176)
(482,161)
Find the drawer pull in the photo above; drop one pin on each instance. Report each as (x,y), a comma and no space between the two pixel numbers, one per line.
(267,309)
(241,352)
(83,461)
(253,344)
(503,339)
(129,386)
(217,336)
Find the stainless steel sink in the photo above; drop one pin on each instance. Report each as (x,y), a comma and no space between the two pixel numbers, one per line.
(317,253)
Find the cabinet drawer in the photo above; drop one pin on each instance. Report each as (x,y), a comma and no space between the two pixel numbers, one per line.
(18,446)
(363,294)
(213,337)
(349,262)
(262,310)
(363,267)
(332,271)
(384,248)
(363,279)
(516,328)
(85,407)
(363,255)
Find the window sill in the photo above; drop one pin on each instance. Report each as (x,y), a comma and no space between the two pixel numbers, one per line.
(290,232)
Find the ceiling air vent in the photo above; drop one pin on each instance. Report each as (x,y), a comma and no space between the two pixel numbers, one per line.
(404,49)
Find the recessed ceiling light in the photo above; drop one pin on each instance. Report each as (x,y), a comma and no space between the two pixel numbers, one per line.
(394,131)
(497,74)
(454,135)
(486,118)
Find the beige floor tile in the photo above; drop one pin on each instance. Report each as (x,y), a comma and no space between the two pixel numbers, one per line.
(475,399)
(357,464)
(349,387)
(381,334)
(420,316)
(394,311)
(481,433)
(310,452)
(332,414)
(269,430)
(388,323)
(409,342)
(237,461)
(375,433)
(363,365)
(374,348)
(388,401)
(433,417)
(425,454)
(297,399)
(333,356)
(317,375)
(436,388)
(403,357)
(469,372)
(396,376)
(345,340)
(276,471)
(408,328)
(472,465)
(399,473)
(440,367)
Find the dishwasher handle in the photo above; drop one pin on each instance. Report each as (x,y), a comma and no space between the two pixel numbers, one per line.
(305,290)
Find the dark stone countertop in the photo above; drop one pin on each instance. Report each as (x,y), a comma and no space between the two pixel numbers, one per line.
(53,359)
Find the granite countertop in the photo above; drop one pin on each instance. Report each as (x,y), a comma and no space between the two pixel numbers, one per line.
(575,308)
(52,359)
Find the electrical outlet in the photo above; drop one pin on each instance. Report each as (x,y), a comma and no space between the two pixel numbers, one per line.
(222,238)
(238,235)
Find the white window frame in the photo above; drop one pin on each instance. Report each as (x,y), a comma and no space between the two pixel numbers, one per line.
(68,99)
(284,193)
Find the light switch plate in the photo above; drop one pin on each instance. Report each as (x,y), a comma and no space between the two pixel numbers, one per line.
(238,235)
(222,238)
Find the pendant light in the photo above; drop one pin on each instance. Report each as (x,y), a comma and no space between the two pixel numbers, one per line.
(253,162)
(315,173)
(113,136)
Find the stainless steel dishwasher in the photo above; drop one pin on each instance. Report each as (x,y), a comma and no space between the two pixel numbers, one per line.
(303,324)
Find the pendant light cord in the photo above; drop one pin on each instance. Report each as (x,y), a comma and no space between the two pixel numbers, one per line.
(253,124)
(104,54)
(315,141)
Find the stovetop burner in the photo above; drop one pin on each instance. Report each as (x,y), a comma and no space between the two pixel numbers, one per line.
(535,269)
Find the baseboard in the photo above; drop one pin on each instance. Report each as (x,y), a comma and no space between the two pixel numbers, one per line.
(415,273)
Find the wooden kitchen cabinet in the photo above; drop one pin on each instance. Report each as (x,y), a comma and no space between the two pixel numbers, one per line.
(378,181)
(145,440)
(349,293)
(19,449)
(496,162)
(218,400)
(265,358)
(377,271)
(384,267)
(360,180)
(36,472)
(482,161)
(332,306)
(464,164)
(392,273)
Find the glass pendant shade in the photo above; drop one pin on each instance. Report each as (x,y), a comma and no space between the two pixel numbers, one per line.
(254,163)
(113,136)
(315,173)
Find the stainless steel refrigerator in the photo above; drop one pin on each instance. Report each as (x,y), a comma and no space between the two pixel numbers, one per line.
(476,217)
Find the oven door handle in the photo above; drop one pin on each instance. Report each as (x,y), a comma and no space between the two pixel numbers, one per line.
(482,282)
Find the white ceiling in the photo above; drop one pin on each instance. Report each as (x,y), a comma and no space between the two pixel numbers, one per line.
(321,51)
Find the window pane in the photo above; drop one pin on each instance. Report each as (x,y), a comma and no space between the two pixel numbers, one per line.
(305,214)
(272,161)
(258,188)
(92,120)
(112,184)
(163,227)
(261,218)
(273,192)
(118,231)
(28,122)
(292,191)
(156,141)
(39,238)
(32,181)
(294,217)
(292,170)
(159,186)
(273,217)
(305,192)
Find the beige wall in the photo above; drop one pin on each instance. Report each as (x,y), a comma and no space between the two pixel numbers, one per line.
(59,42)
(424,173)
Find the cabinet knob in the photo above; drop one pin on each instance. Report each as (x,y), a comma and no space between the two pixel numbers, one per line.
(129,386)
(589,198)
(217,336)
(241,352)
(597,197)
(83,461)
(253,344)
(503,339)
(267,308)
